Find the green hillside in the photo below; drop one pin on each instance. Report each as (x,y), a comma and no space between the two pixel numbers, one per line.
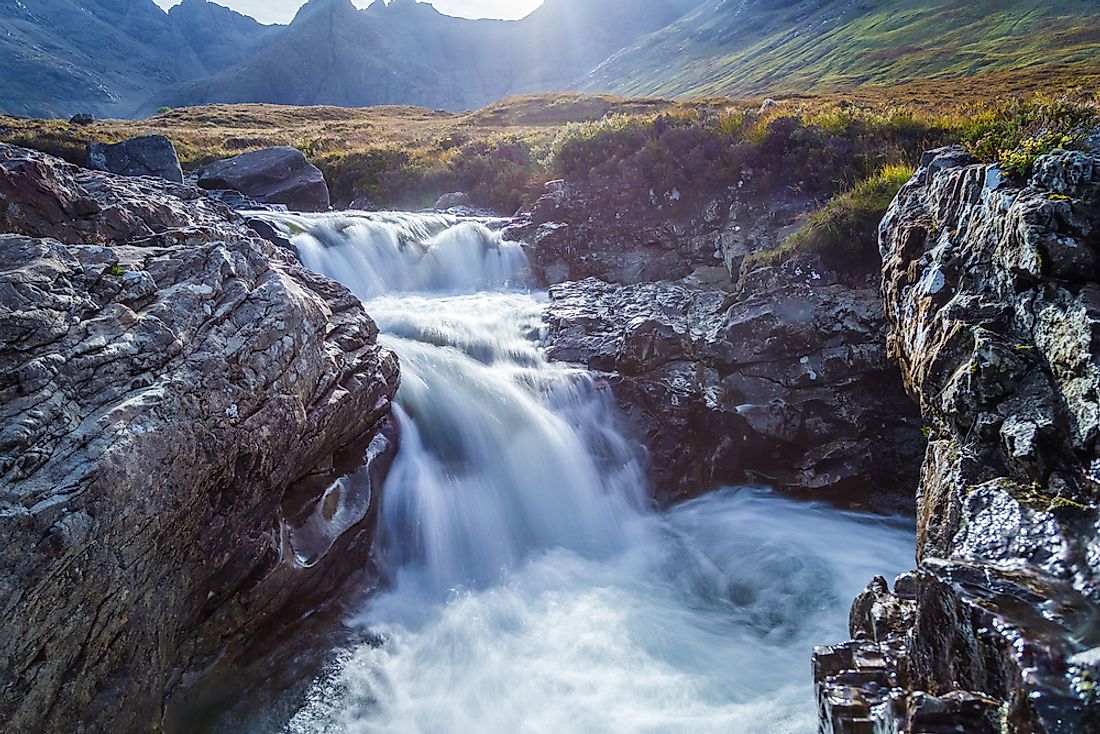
(760,47)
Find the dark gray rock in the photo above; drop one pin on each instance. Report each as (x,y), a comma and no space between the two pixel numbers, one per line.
(576,232)
(177,398)
(453,200)
(993,305)
(82,118)
(149,155)
(784,382)
(271,176)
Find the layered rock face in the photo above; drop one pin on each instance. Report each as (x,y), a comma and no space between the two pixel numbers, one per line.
(174,394)
(784,382)
(578,233)
(993,302)
(778,376)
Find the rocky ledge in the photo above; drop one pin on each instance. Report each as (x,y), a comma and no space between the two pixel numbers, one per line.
(178,397)
(777,376)
(993,302)
(784,381)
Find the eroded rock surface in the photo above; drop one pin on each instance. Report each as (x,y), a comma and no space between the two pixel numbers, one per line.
(993,301)
(576,232)
(165,379)
(784,381)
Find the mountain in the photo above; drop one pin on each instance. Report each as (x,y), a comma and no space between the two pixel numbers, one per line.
(409,53)
(757,47)
(127,57)
(107,56)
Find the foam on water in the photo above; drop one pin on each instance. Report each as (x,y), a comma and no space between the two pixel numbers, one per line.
(531,589)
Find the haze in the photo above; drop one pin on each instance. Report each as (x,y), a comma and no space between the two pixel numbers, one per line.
(281,11)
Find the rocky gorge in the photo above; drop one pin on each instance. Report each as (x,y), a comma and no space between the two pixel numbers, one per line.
(991,297)
(182,398)
(179,396)
(788,375)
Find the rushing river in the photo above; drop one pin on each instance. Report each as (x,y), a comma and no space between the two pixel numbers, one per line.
(530,587)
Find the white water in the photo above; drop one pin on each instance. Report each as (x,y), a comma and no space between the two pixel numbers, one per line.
(531,588)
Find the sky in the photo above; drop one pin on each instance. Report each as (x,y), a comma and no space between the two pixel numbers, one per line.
(281,11)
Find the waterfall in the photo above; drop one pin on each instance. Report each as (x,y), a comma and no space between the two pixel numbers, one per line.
(531,588)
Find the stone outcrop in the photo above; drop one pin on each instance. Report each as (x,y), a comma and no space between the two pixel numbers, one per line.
(784,381)
(271,176)
(178,397)
(149,155)
(575,233)
(993,302)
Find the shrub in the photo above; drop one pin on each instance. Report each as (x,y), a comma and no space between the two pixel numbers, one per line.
(1017,133)
(844,233)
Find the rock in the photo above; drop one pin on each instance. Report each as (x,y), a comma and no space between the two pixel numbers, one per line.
(173,392)
(46,197)
(453,200)
(767,104)
(575,232)
(239,202)
(993,314)
(784,382)
(82,118)
(363,204)
(271,176)
(149,155)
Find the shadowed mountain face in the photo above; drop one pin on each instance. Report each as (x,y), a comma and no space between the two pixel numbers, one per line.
(127,57)
(409,53)
(108,56)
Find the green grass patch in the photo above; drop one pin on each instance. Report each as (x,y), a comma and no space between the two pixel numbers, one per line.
(1017,133)
(845,232)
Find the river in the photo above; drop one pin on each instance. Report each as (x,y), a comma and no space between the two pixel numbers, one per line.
(531,588)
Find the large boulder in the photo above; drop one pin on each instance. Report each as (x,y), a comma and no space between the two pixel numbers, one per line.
(271,176)
(576,231)
(177,401)
(784,382)
(993,306)
(149,155)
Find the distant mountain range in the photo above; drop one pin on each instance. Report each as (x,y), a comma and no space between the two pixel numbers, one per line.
(128,57)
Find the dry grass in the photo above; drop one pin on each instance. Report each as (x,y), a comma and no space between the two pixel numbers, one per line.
(404,156)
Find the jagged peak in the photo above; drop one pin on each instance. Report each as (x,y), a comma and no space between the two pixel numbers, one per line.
(401,6)
(316,7)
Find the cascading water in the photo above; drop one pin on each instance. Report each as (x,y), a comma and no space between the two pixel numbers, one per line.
(531,588)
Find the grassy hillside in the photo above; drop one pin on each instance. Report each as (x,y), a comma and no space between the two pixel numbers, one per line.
(769,47)
(398,156)
(502,155)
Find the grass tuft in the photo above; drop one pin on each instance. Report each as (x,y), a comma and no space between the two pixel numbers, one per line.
(845,232)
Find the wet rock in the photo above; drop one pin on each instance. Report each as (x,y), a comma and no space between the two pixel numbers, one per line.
(992,303)
(149,155)
(167,383)
(271,176)
(363,204)
(573,234)
(453,200)
(783,382)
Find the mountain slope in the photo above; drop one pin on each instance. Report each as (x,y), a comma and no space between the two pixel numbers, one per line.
(106,56)
(756,47)
(407,52)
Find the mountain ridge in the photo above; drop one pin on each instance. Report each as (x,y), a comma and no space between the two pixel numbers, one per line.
(129,57)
